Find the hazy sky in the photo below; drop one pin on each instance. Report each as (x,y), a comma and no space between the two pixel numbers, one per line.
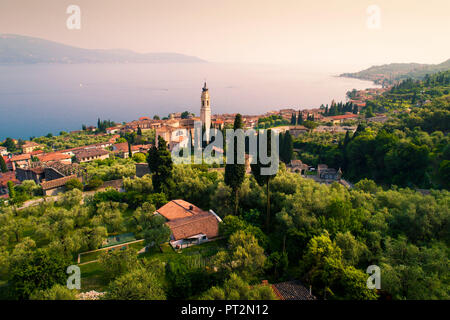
(329,32)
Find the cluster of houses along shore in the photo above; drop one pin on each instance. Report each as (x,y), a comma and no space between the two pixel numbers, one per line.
(52,170)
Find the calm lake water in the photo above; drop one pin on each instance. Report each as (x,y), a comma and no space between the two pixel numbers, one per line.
(38,99)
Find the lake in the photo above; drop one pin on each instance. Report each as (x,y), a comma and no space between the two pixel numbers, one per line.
(38,99)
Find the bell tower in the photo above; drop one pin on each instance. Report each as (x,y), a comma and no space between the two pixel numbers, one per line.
(205,110)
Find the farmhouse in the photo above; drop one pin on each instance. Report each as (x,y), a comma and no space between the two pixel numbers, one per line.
(54,156)
(298,166)
(189,224)
(56,186)
(19,161)
(88,155)
(29,147)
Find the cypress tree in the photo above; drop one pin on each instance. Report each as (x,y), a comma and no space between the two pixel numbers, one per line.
(293,119)
(235,173)
(264,179)
(3,167)
(288,147)
(160,164)
(11,190)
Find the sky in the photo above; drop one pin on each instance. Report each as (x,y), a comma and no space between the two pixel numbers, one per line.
(331,33)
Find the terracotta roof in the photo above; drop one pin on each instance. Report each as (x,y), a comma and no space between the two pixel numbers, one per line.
(177,209)
(46,185)
(94,152)
(344,116)
(292,290)
(202,223)
(35,152)
(8,176)
(121,147)
(20,157)
(29,144)
(54,156)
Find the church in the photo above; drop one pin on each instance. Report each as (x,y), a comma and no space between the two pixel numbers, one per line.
(174,131)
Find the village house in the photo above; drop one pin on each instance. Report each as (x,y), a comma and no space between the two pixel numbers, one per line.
(295,131)
(40,172)
(54,156)
(341,118)
(113,130)
(298,166)
(335,129)
(35,174)
(3,151)
(189,225)
(325,173)
(29,147)
(19,161)
(53,187)
(88,155)
(121,149)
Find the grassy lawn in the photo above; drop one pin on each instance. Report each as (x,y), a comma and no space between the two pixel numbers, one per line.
(92,273)
(92,277)
(91,256)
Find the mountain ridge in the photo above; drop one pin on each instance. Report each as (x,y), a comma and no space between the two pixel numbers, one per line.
(394,72)
(18,49)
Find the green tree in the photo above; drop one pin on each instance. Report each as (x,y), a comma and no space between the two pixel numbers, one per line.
(74,184)
(57,292)
(118,262)
(11,190)
(293,119)
(139,157)
(235,288)
(10,145)
(286,147)
(161,166)
(40,271)
(138,284)
(264,179)
(244,256)
(3,167)
(330,278)
(157,231)
(235,173)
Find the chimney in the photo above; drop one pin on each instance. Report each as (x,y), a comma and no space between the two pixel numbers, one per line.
(191,207)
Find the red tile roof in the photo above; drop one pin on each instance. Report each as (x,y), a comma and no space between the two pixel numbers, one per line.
(54,156)
(21,157)
(46,185)
(344,116)
(177,209)
(202,223)
(8,176)
(292,290)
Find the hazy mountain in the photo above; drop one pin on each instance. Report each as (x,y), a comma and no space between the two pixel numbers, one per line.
(15,49)
(393,72)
